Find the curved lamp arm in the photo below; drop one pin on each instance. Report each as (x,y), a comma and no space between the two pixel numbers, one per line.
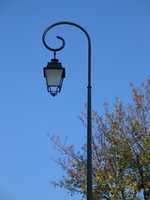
(63,42)
(89,107)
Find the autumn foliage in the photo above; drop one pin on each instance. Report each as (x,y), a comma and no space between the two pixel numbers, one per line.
(121,152)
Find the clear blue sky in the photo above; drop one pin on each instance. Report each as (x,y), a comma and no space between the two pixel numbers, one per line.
(120,32)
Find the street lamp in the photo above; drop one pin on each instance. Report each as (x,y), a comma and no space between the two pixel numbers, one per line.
(55,73)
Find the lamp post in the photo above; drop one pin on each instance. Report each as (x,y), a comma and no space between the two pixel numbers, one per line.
(55,73)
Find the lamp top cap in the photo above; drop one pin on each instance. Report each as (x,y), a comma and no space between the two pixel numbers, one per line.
(54,60)
(54,64)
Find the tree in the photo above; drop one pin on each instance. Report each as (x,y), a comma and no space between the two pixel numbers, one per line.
(121,152)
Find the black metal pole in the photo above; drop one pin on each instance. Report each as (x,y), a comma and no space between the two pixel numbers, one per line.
(89,97)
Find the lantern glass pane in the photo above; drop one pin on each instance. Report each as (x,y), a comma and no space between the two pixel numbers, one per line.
(54,90)
(53,76)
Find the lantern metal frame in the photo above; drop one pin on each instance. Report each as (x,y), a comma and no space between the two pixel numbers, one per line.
(54,65)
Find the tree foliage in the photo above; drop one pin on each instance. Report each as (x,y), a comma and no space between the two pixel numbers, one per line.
(121,152)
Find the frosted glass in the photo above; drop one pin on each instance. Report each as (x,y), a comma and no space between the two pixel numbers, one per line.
(53,76)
